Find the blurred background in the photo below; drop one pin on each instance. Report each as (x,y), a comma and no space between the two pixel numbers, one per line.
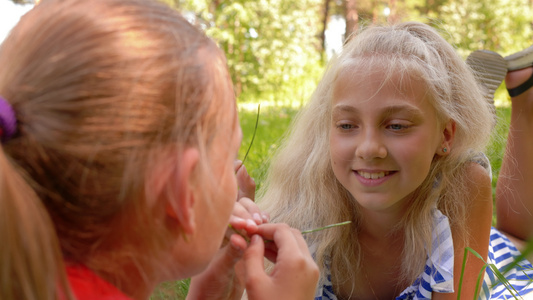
(277,51)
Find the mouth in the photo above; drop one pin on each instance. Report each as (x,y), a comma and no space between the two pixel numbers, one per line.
(373,175)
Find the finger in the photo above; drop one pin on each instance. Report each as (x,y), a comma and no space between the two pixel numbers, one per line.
(302,244)
(242,226)
(282,236)
(252,209)
(245,183)
(228,256)
(241,211)
(237,164)
(253,261)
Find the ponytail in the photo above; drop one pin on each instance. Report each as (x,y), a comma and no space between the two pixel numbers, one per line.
(31,264)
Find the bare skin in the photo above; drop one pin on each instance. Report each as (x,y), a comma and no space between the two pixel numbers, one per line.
(514,206)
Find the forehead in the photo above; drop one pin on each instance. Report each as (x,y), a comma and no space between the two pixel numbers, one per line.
(381,87)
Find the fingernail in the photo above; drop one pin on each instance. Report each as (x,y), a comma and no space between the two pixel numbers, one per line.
(265,218)
(250,223)
(237,220)
(237,249)
(255,238)
(257,218)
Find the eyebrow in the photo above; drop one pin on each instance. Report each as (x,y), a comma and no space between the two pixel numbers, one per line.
(340,108)
(413,111)
(343,108)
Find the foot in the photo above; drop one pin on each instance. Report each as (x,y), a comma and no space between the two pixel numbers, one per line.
(520,60)
(515,79)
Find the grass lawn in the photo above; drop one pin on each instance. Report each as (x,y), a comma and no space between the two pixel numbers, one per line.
(273,121)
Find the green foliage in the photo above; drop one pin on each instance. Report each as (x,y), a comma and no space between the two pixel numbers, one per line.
(273,122)
(275,58)
(275,55)
(503,26)
(172,290)
(272,47)
(23,2)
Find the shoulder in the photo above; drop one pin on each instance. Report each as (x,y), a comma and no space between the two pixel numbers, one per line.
(478,182)
(86,285)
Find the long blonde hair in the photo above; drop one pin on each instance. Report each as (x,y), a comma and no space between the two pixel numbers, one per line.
(301,188)
(99,88)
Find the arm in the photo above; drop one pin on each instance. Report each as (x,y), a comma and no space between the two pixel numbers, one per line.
(479,219)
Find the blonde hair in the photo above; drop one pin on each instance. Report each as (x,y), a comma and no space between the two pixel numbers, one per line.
(301,188)
(100,89)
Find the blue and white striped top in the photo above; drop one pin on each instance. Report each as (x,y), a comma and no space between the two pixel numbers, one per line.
(438,273)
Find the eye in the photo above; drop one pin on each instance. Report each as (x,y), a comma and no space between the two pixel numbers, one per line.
(345,126)
(397,126)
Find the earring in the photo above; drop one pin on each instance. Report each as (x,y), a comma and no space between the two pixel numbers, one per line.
(184,236)
(444,149)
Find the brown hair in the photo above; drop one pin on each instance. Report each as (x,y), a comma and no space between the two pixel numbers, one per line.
(99,88)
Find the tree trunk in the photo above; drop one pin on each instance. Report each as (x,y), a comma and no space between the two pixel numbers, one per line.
(351,17)
(325,17)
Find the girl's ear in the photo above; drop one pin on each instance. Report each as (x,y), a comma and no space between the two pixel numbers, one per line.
(180,202)
(171,184)
(448,135)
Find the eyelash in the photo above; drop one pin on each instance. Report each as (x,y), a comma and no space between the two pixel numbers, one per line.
(344,126)
(394,127)
(398,126)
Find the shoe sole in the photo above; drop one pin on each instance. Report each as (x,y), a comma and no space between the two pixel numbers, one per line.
(490,70)
(520,60)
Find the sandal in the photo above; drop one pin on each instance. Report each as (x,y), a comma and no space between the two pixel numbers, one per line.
(520,60)
(489,69)
(517,61)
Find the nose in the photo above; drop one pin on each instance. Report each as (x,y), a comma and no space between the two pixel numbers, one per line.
(370,146)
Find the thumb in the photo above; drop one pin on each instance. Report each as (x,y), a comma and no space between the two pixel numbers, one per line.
(229,255)
(254,262)
(245,183)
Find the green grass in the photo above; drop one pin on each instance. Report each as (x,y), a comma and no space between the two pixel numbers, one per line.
(273,122)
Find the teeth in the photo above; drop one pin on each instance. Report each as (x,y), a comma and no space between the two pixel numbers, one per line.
(373,175)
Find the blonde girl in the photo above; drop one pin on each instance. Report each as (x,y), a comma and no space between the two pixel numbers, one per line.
(119,132)
(392,140)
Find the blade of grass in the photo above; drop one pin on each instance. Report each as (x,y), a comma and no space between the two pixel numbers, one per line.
(494,270)
(303,232)
(253,136)
(462,274)
(326,227)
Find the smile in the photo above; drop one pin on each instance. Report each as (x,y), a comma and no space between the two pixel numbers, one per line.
(376,175)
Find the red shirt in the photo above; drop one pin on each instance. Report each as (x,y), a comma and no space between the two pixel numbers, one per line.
(86,285)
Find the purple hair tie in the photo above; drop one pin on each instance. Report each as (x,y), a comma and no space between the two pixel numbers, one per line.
(8,121)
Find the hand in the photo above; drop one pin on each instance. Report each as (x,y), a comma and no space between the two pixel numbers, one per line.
(224,277)
(247,207)
(221,280)
(244,181)
(295,274)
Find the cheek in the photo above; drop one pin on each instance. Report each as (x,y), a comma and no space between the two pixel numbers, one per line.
(417,158)
(341,150)
(228,190)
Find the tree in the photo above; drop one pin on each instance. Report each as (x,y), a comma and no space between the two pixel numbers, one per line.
(23,2)
(273,47)
(503,26)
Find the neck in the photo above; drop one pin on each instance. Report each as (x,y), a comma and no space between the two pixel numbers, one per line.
(130,276)
(380,225)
